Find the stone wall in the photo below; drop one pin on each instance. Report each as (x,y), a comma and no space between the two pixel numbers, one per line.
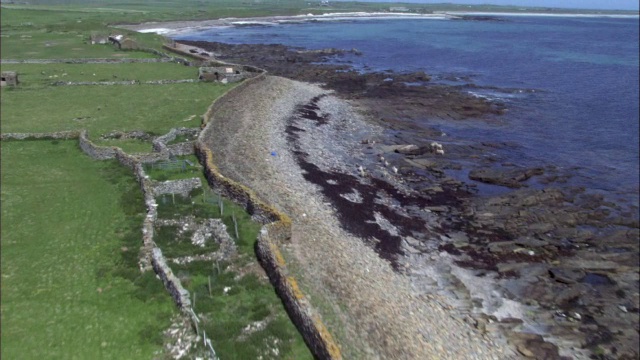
(231,95)
(186,148)
(182,186)
(128,82)
(258,209)
(151,256)
(186,53)
(311,327)
(60,135)
(276,230)
(171,282)
(94,151)
(86,61)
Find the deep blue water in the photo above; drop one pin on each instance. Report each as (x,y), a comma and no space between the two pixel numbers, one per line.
(576,80)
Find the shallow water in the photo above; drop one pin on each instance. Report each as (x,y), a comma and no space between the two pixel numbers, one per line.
(570,84)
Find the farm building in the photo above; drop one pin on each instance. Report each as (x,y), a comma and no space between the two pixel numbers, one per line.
(223,74)
(98,39)
(128,44)
(9,78)
(123,43)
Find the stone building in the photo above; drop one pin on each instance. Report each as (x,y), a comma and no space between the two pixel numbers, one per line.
(98,39)
(223,74)
(9,78)
(128,44)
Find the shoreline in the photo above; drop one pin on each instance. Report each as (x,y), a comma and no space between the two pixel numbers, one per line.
(180,27)
(535,280)
(375,310)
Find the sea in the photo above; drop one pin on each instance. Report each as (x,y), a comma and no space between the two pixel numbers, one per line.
(570,84)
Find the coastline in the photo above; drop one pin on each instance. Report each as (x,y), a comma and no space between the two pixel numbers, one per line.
(180,27)
(374,309)
(532,280)
(473,241)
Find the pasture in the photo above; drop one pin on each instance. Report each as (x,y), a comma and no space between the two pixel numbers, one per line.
(70,238)
(71,226)
(101,109)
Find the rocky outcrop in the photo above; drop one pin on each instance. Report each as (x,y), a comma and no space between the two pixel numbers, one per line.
(512,178)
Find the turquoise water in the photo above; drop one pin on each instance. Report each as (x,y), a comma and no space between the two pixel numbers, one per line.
(570,84)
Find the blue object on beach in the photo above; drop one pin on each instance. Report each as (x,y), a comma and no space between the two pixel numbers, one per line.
(273,153)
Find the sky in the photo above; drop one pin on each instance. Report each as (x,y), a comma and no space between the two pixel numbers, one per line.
(580,4)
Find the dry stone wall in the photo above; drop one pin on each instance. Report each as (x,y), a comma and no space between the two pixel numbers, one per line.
(160,143)
(276,230)
(182,186)
(151,255)
(309,324)
(60,135)
(85,61)
(276,225)
(94,151)
(129,82)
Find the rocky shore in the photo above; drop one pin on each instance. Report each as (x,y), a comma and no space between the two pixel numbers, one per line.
(552,267)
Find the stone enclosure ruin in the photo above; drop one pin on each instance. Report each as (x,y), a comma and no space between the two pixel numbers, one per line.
(9,78)
(276,226)
(222,74)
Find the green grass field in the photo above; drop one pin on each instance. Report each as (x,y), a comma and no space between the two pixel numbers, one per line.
(248,299)
(101,109)
(70,285)
(39,75)
(87,295)
(130,146)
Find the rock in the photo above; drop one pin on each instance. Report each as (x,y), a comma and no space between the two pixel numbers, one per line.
(440,208)
(540,228)
(534,346)
(567,296)
(505,177)
(592,264)
(433,189)
(409,150)
(522,348)
(527,241)
(511,267)
(502,246)
(566,275)
(421,163)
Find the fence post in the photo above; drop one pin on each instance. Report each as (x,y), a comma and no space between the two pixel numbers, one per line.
(235,223)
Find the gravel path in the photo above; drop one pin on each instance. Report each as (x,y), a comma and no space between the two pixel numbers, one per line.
(379,316)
